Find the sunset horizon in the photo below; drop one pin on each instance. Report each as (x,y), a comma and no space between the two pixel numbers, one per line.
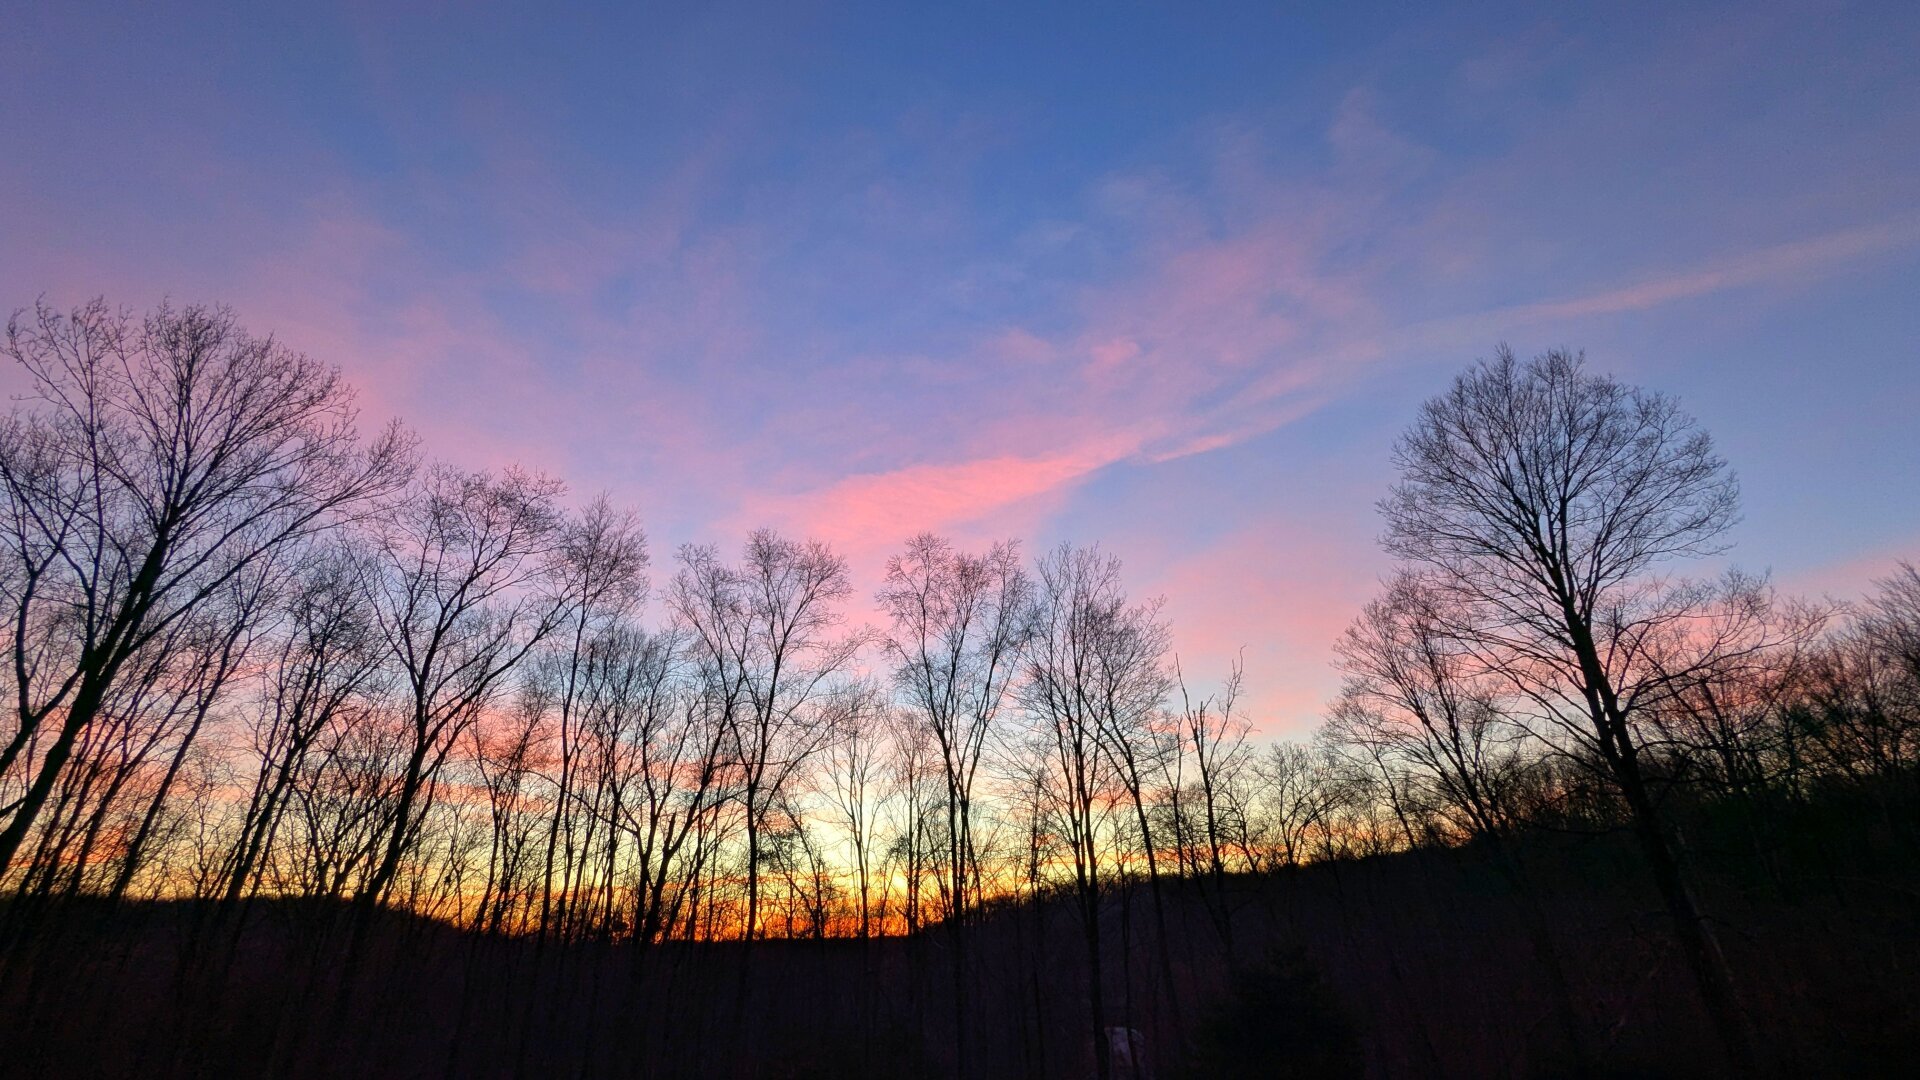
(1134,540)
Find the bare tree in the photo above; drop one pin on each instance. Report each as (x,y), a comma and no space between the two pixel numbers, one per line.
(98,828)
(1541,498)
(763,634)
(1415,701)
(503,756)
(229,625)
(854,781)
(600,566)
(1289,809)
(327,670)
(958,624)
(1416,706)
(1211,732)
(913,773)
(464,592)
(1128,683)
(1076,606)
(1854,714)
(156,463)
(662,754)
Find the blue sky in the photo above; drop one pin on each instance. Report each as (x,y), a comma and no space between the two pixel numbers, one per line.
(1167,277)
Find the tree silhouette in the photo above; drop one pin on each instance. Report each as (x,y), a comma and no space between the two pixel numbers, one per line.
(159,463)
(1539,498)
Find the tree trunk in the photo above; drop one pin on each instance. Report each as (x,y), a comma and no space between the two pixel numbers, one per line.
(1698,943)
(86,703)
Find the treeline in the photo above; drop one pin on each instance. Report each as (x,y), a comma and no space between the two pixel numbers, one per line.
(257,654)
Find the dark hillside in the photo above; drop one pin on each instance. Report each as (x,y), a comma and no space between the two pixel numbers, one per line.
(1408,964)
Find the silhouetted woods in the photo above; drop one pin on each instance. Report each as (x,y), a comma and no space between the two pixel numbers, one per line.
(322,760)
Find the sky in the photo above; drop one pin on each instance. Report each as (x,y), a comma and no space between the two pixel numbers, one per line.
(1169,278)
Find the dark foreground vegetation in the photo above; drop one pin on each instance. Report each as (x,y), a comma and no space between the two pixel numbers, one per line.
(319,761)
(1406,964)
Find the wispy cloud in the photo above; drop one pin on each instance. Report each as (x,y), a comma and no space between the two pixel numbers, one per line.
(871,515)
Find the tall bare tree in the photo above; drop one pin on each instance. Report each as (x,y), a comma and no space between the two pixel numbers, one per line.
(1128,683)
(1542,499)
(764,636)
(958,625)
(1075,605)
(854,782)
(913,773)
(465,590)
(600,566)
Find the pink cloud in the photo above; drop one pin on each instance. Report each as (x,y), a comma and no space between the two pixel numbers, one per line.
(871,515)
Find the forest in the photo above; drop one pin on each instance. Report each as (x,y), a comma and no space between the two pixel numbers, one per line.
(324,758)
